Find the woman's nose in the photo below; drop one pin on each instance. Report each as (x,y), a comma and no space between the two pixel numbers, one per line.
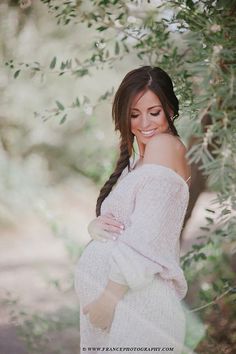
(145,121)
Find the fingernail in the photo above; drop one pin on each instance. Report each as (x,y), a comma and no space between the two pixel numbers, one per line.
(122,226)
(114,237)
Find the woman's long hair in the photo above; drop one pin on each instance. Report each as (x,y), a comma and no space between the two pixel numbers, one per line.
(136,81)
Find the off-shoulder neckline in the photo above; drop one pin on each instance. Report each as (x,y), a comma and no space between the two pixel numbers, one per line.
(164,168)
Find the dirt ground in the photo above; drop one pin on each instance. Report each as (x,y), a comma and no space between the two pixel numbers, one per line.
(32,255)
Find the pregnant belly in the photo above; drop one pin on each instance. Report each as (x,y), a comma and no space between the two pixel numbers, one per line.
(92,270)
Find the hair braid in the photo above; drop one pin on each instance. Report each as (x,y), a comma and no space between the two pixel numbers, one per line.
(121,164)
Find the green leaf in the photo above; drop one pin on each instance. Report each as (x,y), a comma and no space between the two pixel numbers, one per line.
(81,72)
(53,63)
(190,4)
(117,48)
(204,228)
(210,220)
(225,211)
(16,74)
(60,106)
(125,47)
(210,210)
(204,295)
(202,256)
(77,102)
(63,119)
(196,246)
(215,287)
(101,28)
(68,64)
(63,65)
(119,17)
(233,290)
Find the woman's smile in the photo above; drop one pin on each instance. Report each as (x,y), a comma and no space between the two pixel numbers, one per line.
(148,133)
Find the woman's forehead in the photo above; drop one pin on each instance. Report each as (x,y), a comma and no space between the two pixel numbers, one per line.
(146,97)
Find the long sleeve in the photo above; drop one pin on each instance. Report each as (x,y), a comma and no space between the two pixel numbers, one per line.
(150,244)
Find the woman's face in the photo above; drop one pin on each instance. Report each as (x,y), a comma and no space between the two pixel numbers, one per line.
(147,118)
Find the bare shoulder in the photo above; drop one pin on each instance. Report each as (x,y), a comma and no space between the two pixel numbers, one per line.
(168,150)
(163,147)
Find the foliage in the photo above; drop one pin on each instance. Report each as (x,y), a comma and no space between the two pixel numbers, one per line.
(39,331)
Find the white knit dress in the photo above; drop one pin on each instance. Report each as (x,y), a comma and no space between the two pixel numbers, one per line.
(151,202)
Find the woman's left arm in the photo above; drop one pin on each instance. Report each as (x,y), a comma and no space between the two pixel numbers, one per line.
(115,290)
(101,310)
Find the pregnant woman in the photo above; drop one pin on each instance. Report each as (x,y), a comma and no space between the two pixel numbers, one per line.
(131,286)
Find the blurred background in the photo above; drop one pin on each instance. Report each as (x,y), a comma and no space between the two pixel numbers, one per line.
(61,62)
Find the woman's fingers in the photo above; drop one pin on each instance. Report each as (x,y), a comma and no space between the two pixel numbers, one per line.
(111,221)
(112,229)
(105,236)
(102,228)
(115,225)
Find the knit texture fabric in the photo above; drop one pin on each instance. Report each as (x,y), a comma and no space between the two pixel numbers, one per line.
(151,201)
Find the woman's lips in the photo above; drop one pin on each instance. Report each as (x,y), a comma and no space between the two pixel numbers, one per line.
(148,133)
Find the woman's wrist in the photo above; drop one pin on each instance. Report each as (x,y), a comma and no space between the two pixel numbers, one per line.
(115,291)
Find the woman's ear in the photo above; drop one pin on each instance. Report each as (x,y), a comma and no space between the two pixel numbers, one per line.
(171,114)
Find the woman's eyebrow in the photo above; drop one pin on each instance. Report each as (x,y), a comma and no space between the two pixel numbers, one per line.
(136,109)
(157,105)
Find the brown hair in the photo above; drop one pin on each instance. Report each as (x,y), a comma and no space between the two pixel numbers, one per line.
(136,81)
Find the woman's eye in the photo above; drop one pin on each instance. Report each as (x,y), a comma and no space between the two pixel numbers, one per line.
(134,115)
(155,114)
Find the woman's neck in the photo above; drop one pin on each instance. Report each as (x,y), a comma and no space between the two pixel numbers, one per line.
(137,161)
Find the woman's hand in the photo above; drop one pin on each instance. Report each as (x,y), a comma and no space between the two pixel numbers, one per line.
(101,311)
(105,227)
